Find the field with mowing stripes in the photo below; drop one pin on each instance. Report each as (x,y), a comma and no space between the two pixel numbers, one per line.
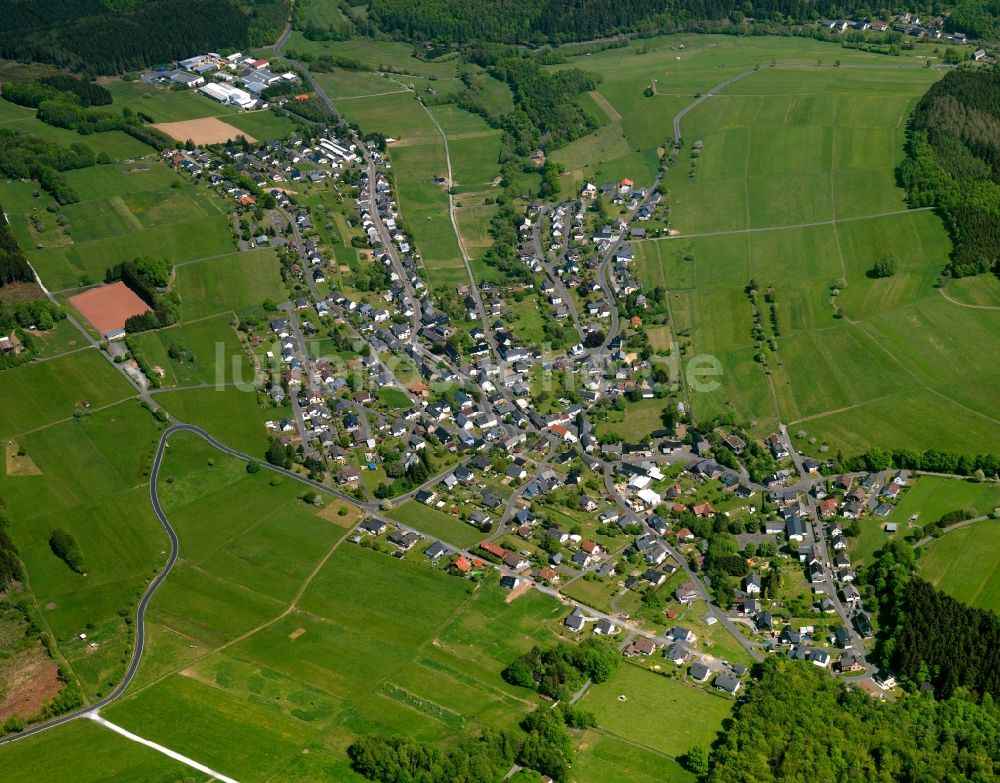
(263,666)
(966,564)
(794,188)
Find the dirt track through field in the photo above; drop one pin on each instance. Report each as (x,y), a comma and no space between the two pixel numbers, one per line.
(605,105)
(207,130)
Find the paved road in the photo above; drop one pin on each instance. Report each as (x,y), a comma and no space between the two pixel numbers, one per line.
(140,613)
(691,106)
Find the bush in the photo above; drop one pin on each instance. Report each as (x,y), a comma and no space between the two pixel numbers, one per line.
(65,547)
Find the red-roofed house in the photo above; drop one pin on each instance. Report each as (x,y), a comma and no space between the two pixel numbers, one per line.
(702,509)
(493,549)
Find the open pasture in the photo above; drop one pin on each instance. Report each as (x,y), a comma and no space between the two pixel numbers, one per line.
(295,641)
(695,716)
(125,212)
(678,67)
(231,283)
(204,352)
(40,394)
(966,564)
(85,752)
(99,496)
(794,189)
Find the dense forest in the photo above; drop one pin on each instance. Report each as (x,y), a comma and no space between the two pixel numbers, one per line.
(14,267)
(87,35)
(556,21)
(927,636)
(798,725)
(953,163)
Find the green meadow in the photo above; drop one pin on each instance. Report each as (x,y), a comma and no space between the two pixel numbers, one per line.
(126,211)
(85,752)
(207,352)
(275,641)
(100,497)
(43,393)
(794,188)
(230,283)
(694,716)
(965,563)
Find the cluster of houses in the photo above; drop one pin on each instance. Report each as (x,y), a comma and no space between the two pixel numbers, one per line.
(905,24)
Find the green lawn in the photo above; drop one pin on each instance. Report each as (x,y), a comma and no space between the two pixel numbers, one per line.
(231,283)
(39,394)
(694,716)
(433,522)
(100,497)
(966,564)
(230,414)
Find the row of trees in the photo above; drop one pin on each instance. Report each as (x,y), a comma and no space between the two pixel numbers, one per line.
(14,267)
(543,744)
(877,459)
(953,163)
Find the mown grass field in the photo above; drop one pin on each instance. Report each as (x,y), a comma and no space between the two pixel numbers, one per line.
(434,522)
(693,716)
(100,497)
(84,752)
(232,283)
(40,394)
(966,564)
(795,189)
(279,644)
(125,211)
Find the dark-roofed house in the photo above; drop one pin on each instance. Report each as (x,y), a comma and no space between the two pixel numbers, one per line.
(699,672)
(436,551)
(728,683)
(404,539)
(575,621)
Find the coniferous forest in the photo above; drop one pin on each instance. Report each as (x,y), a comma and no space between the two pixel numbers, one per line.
(953,163)
(99,37)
